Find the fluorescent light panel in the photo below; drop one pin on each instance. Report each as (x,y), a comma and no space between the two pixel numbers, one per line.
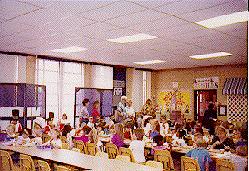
(71,49)
(224,20)
(149,62)
(133,38)
(211,55)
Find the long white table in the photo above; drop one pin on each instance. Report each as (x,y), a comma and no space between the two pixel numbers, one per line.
(79,160)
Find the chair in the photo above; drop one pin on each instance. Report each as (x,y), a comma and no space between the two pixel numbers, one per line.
(63,139)
(224,165)
(165,158)
(62,168)
(26,163)
(65,146)
(76,149)
(80,145)
(102,154)
(123,158)
(126,152)
(154,164)
(45,138)
(112,150)
(189,164)
(91,149)
(6,161)
(43,166)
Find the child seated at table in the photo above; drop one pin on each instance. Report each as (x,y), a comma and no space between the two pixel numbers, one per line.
(200,153)
(94,138)
(221,140)
(137,146)
(91,122)
(155,129)
(127,131)
(55,140)
(118,136)
(159,144)
(49,126)
(82,134)
(177,140)
(11,135)
(24,139)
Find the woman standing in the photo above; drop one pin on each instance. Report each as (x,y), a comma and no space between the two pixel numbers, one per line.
(84,112)
(95,111)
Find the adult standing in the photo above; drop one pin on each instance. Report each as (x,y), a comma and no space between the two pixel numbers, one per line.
(84,112)
(95,112)
(120,113)
(209,118)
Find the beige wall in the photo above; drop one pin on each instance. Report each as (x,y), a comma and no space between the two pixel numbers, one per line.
(30,69)
(161,80)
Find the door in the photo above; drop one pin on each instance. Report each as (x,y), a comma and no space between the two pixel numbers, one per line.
(201,100)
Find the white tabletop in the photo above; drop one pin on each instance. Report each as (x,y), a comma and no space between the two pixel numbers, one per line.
(79,160)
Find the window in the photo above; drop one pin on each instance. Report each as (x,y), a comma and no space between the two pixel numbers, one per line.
(146,85)
(60,79)
(72,77)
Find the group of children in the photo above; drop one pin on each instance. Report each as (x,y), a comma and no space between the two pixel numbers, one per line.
(161,134)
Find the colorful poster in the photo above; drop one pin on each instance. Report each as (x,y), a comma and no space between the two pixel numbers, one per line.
(169,101)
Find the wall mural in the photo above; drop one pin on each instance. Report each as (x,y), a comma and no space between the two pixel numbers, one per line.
(169,101)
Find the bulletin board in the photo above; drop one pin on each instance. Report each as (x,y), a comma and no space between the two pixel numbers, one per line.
(169,101)
(104,96)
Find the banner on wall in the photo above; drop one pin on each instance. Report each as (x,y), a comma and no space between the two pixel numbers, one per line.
(206,83)
(169,101)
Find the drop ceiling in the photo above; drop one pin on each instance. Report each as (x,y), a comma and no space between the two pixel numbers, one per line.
(37,27)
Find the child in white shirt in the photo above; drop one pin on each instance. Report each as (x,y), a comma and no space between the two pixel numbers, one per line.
(55,140)
(137,147)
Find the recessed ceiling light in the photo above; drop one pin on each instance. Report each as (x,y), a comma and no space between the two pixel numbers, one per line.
(149,62)
(224,20)
(133,38)
(72,49)
(211,55)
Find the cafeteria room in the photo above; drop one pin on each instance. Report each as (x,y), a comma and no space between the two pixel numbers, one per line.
(124,85)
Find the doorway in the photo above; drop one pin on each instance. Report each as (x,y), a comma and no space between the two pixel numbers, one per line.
(201,101)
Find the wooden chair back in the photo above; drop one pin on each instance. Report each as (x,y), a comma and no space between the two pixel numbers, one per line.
(63,139)
(112,150)
(165,158)
(123,158)
(126,152)
(43,166)
(6,161)
(154,164)
(189,164)
(62,168)
(65,146)
(224,165)
(80,145)
(91,149)
(26,163)
(45,138)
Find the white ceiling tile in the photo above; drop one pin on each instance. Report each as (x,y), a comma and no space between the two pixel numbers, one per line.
(136,18)
(113,10)
(154,3)
(187,6)
(62,24)
(160,24)
(12,9)
(227,8)
(176,31)
(239,30)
